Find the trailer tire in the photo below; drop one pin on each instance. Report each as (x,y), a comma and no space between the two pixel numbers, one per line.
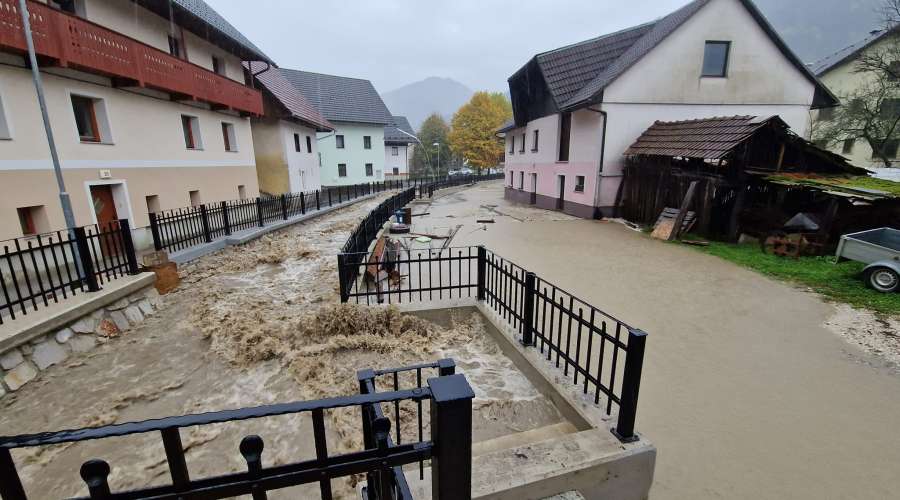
(883,279)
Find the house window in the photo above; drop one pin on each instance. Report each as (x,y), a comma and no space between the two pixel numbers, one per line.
(5,132)
(71,6)
(395,151)
(512,144)
(175,46)
(396,171)
(228,136)
(715,59)
(195,198)
(565,131)
(848,146)
(297,142)
(152,203)
(521,180)
(90,117)
(369,172)
(218,65)
(342,170)
(190,127)
(887,148)
(308,145)
(242,192)
(339,141)
(522,147)
(511,179)
(579,183)
(534,142)
(32,220)
(367,142)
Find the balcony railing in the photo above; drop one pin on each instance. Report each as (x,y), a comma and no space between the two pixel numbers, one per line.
(74,42)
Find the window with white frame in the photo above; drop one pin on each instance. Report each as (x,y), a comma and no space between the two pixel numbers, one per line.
(91,119)
(308,145)
(521,180)
(512,144)
(369,171)
(228,136)
(367,142)
(395,151)
(579,183)
(534,142)
(297,142)
(5,130)
(342,170)
(339,141)
(190,127)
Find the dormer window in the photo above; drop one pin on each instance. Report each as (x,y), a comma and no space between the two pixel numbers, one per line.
(715,59)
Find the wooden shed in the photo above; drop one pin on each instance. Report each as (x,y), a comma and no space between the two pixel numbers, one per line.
(753,174)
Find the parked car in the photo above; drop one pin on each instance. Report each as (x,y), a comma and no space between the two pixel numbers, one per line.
(880,249)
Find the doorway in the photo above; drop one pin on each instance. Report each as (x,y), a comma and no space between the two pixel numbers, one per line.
(533,189)
(561,200)
(107,217)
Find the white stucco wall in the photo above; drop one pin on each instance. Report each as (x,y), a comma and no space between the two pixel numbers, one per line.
(303,166)
(132,20)
(353,154)
(400,161)
(145,151)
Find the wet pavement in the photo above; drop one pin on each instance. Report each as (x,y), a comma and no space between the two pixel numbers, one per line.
(745,392)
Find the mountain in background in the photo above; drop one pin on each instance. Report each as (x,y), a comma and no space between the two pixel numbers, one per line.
(418,100)
(814,29)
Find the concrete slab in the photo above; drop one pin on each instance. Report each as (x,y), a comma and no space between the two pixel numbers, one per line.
(55,316)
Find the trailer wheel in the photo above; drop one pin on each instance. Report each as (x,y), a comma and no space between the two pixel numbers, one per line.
(883,279)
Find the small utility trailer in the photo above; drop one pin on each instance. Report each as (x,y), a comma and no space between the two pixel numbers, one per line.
(880,249)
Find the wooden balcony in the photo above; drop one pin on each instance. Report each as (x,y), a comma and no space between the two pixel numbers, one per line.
(69,41)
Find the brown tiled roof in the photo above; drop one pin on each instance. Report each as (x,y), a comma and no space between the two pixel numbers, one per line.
(293,101)
(707,138)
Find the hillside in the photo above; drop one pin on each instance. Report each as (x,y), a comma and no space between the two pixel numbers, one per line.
(418,100)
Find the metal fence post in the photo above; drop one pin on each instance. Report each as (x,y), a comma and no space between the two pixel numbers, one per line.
(154,230)
(259,212)
(226,222)
(318,207)
(329,197)
(204,219)
(631,384)
(302,203)
(87,263)
(451,432)
(283,206)
(342,273)
(482,269)
(528,310)
(10,484)
(128,243)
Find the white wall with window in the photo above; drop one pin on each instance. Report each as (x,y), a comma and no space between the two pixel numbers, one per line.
(396,159)
(301,152)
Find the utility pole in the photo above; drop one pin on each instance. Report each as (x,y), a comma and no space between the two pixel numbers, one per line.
(39,87)
(438,159)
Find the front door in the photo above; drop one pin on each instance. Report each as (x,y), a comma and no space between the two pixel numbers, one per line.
(105,209)
(560,202)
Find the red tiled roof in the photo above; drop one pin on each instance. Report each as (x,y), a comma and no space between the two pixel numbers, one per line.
(291,98)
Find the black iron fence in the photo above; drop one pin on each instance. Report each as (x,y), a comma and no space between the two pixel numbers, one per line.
(381,459)
(39,270)
(183,228)
(602,355)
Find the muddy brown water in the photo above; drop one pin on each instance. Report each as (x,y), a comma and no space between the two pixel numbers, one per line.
(745,392)
(228,338)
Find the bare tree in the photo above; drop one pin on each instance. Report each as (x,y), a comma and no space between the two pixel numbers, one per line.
(870,112)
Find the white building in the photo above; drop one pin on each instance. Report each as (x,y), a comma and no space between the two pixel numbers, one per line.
(284,140)
(148,106)
(399,139)
(578,108)
(353,153)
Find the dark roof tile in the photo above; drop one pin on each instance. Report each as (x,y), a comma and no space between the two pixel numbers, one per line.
(339,98)
(202,11)
(394,131)
(291,98)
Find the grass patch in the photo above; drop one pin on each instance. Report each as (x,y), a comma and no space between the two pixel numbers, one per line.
(839,282)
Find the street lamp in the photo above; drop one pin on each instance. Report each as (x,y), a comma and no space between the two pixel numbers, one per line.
(438,158)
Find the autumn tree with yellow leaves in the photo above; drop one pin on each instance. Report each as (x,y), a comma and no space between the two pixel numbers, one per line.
(473,131)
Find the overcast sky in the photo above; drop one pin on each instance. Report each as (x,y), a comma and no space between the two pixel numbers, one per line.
(480,43)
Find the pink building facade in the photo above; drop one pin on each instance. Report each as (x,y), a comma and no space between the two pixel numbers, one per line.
(578,108)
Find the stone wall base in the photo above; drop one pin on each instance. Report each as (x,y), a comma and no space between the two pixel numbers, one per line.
(24,363)
(548,203)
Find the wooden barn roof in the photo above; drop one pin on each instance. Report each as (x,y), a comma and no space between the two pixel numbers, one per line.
(706,138)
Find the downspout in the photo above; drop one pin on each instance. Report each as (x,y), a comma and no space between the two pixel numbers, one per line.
(597,214)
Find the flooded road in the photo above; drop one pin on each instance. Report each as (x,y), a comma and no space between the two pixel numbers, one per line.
(745,392)
(251,325)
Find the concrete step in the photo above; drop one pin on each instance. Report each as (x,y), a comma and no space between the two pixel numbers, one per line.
(522,438)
